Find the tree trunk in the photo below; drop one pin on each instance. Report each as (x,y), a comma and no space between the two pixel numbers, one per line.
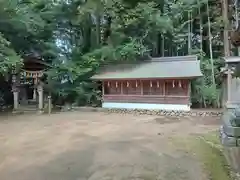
(87,36)
(98,29)
(237,22)
(107,30)
(162,35)
(189,33)
(226,25)
(210,46)
(201,28)
(162,45)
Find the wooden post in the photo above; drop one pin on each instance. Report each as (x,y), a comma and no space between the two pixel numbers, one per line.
(189,93)
(141,84)
(164,88)
(103,88)
(121,87)
(189,89)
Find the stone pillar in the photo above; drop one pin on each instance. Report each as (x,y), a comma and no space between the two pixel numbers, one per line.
(34,94)
(35,89)
(40,95)
(49,104)
(23,98)
(15,91)
(229,85)
(16,99)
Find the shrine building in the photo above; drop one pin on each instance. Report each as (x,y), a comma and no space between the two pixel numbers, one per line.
(162,83)
(27,86)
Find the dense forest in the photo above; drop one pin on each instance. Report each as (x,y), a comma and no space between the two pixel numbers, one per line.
(78,36)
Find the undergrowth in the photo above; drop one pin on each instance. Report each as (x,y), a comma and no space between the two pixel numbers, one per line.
(208,150)
(210,154)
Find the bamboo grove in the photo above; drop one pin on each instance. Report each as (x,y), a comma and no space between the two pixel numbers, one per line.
(78,36)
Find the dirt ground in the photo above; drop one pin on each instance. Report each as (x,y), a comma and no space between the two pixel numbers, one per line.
(98,146)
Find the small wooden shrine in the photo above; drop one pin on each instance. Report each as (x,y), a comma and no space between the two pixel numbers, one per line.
(27,85)
(160,83)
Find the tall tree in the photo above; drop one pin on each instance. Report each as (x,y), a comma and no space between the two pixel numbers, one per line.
(78,36)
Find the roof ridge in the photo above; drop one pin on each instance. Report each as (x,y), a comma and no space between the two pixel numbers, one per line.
(232,59)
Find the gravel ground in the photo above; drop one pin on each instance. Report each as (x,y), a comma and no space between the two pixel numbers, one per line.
(98,146)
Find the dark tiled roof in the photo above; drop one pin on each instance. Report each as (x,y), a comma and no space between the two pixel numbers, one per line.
(232,59)
(163,67)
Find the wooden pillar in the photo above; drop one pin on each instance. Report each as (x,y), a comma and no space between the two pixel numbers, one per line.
(121,87)
(103,88)
(189,89)
(40,95)
(189,93)
(164,88)
(141,84)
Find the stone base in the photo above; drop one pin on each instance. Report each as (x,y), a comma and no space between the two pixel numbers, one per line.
(40,112)
(231,149)
(27,111)
(193,113)
(231,106)
(227,141)
(17,112)
(233,157)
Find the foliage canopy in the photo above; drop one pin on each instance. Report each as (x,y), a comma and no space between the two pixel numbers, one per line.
(77,36)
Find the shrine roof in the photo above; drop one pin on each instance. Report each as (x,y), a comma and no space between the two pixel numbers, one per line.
(160,67)
(34,63)
(232,59)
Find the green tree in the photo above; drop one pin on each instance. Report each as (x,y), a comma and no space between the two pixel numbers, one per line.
(78,36)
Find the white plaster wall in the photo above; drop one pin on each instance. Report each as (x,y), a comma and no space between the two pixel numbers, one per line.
(170,107)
